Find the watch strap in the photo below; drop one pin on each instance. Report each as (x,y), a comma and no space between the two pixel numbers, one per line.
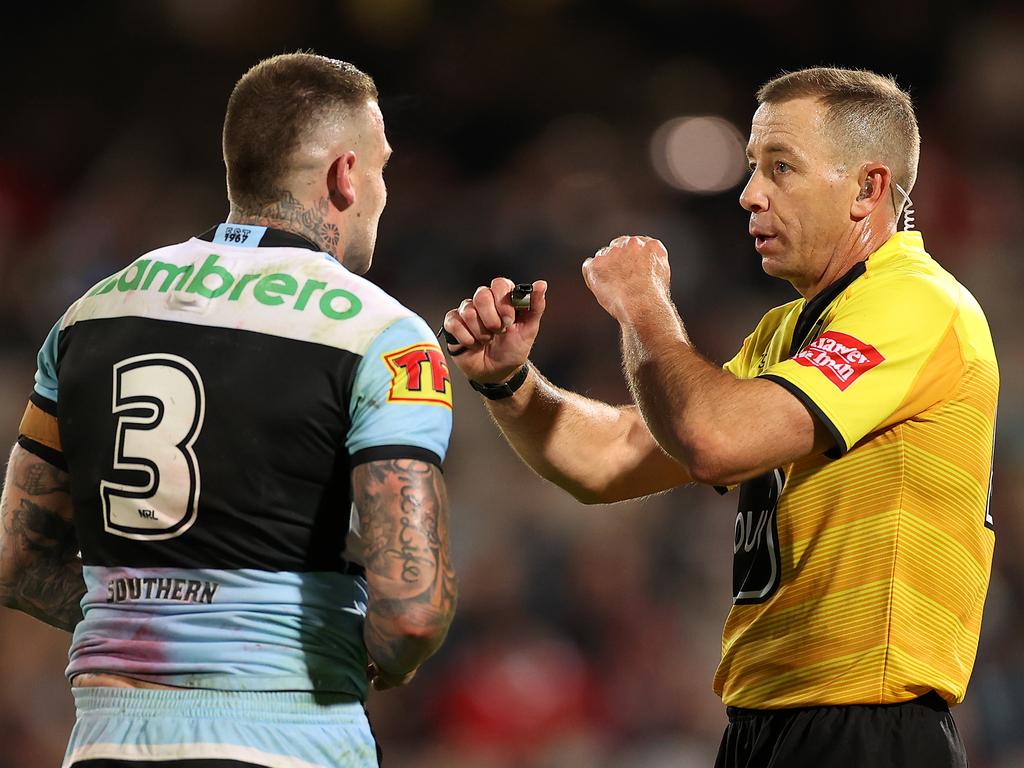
(506,389)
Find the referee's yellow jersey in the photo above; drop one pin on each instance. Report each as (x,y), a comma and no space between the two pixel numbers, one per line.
(860,575)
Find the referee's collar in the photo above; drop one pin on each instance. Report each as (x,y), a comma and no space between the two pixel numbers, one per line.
(254,236)
(811,316)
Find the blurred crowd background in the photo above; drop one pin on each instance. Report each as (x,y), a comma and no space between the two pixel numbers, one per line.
(527,133)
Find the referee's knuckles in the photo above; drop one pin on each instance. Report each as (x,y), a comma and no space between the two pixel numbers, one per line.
(451,320)
(501,286)
(656,247)
(457,328)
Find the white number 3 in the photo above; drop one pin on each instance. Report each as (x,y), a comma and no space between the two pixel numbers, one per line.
(159,402)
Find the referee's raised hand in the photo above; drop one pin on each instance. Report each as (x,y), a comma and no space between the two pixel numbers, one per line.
(629,275)
(489,339)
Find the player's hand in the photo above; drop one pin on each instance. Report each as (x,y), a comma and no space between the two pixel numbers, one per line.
(382,681)
(494,338)
(629,273)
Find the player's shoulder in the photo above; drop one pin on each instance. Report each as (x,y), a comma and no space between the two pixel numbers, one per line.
(375,299)
(172,254)
(375,310)
(294,293)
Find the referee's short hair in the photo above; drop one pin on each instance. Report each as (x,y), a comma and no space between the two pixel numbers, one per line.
(868,114)
(271,109)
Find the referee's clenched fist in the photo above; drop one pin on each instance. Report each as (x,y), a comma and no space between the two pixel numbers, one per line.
(628,274)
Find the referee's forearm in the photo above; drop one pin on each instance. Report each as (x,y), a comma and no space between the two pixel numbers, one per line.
(564,437)
(681,395)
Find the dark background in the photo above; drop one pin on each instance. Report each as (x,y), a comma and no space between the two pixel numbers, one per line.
(586,636)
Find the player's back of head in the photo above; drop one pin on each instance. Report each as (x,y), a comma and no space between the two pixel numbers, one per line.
(276,105)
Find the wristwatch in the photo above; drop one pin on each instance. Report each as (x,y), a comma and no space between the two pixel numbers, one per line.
(501,391)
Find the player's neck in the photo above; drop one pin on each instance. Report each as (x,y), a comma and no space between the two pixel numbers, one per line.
(289,214)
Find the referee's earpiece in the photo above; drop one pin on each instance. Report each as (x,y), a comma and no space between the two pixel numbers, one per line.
(872,186)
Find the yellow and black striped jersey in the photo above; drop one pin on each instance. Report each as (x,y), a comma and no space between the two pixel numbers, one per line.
(860,575)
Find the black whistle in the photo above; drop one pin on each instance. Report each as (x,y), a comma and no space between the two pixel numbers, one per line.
(520,295)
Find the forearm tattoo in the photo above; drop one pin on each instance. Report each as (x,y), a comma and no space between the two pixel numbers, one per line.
(403,512)
(40,570)
(286,212)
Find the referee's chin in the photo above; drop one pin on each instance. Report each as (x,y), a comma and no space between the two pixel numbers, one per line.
(773,268)
(776,265)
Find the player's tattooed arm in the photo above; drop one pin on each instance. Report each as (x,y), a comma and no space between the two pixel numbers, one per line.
(403,513)
(40,570)
(286,212)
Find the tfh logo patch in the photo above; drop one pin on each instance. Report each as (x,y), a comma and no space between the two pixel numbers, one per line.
(842,358)
(419,374)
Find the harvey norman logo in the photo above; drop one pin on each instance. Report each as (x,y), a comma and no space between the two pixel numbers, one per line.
(842,358)
(213,281)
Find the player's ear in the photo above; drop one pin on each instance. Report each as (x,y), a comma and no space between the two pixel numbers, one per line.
(874,180)
(340,181)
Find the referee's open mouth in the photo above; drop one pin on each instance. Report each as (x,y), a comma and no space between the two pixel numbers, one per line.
(762,238)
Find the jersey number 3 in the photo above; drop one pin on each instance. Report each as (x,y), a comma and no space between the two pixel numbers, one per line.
(159,404)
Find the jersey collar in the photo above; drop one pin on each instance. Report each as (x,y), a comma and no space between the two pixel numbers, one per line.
(811,313)
(253,236)
(809,322)
(901,244)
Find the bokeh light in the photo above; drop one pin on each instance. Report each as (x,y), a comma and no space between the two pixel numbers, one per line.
(699,154)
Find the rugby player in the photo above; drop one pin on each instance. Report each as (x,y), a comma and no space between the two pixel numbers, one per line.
(201,425)
(857,423)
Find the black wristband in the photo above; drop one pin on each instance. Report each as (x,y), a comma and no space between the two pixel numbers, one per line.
(501,391)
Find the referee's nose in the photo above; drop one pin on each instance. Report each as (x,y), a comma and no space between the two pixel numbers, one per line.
(753,197)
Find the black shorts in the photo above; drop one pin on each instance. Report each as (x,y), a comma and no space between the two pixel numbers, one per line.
(915,734)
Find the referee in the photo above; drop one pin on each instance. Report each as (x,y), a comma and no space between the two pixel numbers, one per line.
(855,424)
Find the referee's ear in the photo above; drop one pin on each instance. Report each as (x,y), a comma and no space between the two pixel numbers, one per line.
(874,180)
(340,187)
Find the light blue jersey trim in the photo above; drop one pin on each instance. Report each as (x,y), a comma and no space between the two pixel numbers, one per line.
(377,421)
(240,629)
(46,362)
(246,235)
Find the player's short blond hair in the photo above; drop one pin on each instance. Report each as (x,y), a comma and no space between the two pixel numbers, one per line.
(870,116)
(272,107)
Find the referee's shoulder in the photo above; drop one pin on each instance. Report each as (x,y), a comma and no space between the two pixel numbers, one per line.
(916,292)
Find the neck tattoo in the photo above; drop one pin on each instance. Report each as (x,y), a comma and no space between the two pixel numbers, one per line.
(289,214)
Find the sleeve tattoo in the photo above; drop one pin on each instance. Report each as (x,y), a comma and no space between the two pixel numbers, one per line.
(40,570)
(403,511)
